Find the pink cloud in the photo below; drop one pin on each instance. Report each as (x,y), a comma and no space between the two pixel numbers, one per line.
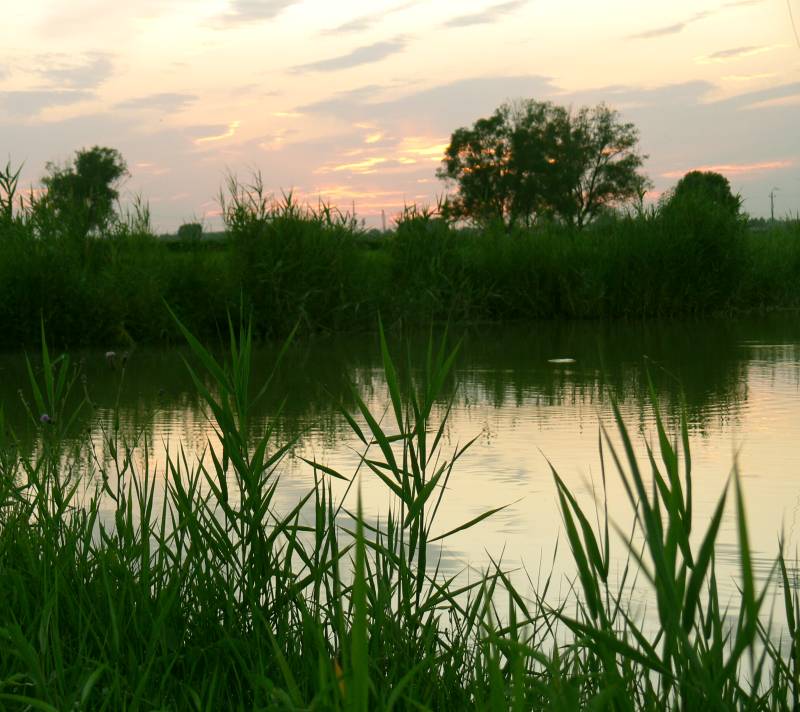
(734,169)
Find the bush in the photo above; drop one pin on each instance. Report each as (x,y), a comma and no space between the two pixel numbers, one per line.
(700,190)
(190,231)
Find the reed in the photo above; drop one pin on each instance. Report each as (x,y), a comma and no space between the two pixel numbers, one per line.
(190,588)
(292,264)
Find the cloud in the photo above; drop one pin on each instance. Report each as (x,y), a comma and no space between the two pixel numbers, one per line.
(243,11)
(392,154)
(734,169)
(776,103)
(632,98)
(362,55)
(95,23)
(400,139)
(63,71)
(752,98)
(677,27)
(742,3)
(749,77)
(490,14)
(168,102)
(440,108)
(229,132)
(737,52)
(359,24)
(672,29)
(366,166)
(31,101)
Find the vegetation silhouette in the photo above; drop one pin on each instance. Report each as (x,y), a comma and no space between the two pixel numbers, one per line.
(82,194)
(535,160)
(700,189)
(190,231)
(99,275)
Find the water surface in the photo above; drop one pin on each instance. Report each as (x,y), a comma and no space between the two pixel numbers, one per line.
(531,394)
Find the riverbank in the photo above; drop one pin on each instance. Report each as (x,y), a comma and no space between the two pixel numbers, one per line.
(294,267)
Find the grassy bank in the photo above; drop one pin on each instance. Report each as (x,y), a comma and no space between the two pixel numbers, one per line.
(292,265)
(121,593)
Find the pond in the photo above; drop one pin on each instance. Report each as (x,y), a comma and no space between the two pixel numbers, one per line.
(531,394)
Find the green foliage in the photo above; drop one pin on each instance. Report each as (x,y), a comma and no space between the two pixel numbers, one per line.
(193,589)
(190,231)
(292,264)
(699,190)
(82,194)
(9,182)
(536,160)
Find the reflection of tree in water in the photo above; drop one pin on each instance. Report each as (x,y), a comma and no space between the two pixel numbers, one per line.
(700,362)
(704,361)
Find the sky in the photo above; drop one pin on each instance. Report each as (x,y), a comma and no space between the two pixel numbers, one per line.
(354,102)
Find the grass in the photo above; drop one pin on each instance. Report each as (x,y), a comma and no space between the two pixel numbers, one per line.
(189,588)
(291,264)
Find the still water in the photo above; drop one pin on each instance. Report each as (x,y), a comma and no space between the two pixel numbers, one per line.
(531,394)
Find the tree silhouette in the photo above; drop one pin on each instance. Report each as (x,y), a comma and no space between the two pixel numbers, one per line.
(83,194)
(705,188)
(532,160)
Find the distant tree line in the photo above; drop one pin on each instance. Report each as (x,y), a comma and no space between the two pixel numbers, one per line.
(529,162)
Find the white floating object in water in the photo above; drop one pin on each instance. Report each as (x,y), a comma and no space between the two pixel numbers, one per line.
(561,360)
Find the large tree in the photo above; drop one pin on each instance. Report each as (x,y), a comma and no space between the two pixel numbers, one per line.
(535,159)
(83,193)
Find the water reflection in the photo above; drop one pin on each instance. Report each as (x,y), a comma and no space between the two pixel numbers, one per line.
(705,362)
(739,380)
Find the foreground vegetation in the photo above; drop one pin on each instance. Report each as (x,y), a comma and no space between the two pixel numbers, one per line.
(187,589)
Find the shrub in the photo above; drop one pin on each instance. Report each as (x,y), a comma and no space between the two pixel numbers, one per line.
(698,190)
(190,231)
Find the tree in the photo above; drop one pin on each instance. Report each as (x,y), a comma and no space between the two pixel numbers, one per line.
(535,159)
(601,165)
(190,232)
(479,160)
(83,194)
(703,188)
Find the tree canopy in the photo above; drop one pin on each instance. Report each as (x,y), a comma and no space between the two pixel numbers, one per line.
(84,192)
(532,160)
(705,188)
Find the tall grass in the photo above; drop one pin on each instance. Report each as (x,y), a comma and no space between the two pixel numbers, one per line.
(190,588)
(291,263)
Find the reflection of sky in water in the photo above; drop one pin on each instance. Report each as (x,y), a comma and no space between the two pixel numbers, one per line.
(742,390)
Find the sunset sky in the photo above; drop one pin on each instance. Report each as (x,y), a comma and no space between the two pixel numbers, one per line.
(355,101)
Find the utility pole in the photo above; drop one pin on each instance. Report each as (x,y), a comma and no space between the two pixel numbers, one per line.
(772,204)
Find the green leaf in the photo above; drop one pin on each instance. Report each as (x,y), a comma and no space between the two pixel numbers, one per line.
(325,469)
(701,564)
(472,522)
